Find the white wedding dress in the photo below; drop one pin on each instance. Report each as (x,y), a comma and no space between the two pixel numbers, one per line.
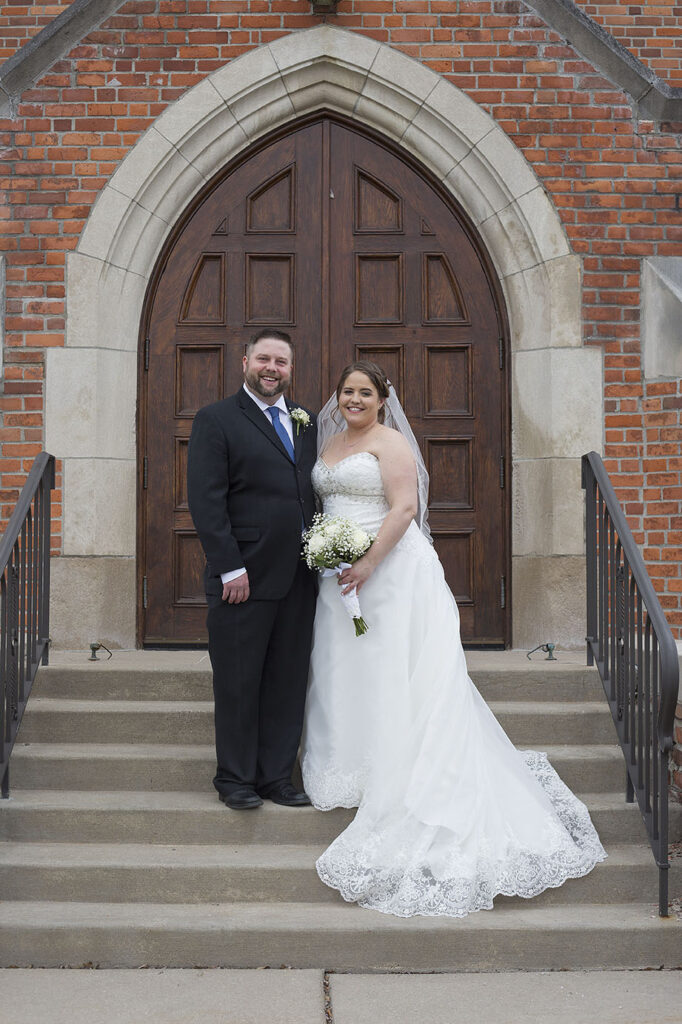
(450,813)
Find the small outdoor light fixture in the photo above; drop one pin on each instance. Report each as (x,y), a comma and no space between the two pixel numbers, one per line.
(324,6)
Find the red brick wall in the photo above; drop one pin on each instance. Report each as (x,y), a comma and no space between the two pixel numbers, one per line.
(20,21)
(651,30)
(614,181)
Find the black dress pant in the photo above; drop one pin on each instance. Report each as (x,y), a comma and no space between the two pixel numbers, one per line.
(260,654)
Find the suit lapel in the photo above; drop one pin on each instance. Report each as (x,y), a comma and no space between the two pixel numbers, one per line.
(251,410)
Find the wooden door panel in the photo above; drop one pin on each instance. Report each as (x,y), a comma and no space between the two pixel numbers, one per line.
(377,210)
(271,208)
(442,301)
(331,235)
(379,288)
(448,384)
(204,299)
(449,462)
(270,289)
(198,377)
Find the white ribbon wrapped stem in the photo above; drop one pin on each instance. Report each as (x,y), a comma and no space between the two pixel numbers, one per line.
(350,600)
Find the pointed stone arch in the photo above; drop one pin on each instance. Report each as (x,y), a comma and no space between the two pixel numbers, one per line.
(91,386)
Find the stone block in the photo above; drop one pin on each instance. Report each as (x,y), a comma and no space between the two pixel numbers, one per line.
(180,120)
(662,316)
(103,224)
(104,304)
(90,403)
(214,142)
(324,41)
(547,507)
(92,599)
(161,179)
(377,110)
(472,184)
(545,226)
(452,106)
(548,601)
(509,242)
(433,143)
(544,305)
(506,162)
(245,77)
(324,84)
(376,92)
(263,109)
(398,73)
(99,507)
(142,163)
(557,403)
(121,232)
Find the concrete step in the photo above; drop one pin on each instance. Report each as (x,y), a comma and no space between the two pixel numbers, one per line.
(49,720)
(186,675)
(158,817)
(255,872)
(589,769)
(308,935)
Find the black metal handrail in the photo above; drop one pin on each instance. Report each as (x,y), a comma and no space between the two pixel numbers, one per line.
(630,640)
(24,602)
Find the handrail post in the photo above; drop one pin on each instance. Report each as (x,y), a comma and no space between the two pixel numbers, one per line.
(590,487)
(48,484)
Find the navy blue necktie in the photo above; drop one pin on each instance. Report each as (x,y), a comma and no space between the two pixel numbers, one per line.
(281,432)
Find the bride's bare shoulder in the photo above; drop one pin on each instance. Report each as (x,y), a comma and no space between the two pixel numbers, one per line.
(390,443)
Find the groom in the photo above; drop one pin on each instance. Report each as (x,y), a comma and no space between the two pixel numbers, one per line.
(250,496)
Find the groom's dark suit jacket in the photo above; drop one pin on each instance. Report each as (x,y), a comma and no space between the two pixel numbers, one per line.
(247,499)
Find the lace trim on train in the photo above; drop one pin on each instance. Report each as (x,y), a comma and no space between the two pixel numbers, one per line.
(333,787)
(406,889)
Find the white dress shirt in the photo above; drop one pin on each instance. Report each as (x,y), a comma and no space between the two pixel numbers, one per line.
(285,420)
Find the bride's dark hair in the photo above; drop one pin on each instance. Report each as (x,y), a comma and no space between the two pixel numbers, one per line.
(376,375)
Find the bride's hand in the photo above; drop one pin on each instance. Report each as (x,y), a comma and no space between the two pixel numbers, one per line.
(356,576)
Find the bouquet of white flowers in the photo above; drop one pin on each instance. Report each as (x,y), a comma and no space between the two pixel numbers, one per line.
(331,545)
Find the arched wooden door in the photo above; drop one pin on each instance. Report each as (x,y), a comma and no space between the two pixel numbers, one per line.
(332,235)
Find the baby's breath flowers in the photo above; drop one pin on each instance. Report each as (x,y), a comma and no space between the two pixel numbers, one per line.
(300,418)
(331,545)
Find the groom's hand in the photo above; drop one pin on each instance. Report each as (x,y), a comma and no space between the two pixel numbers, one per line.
(237,590)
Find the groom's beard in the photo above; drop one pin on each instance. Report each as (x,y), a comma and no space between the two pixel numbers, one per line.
(254,382)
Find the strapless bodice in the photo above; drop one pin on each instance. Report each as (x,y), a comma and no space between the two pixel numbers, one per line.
(352,488)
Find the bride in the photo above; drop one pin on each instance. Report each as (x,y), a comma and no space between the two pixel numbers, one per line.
(450,814)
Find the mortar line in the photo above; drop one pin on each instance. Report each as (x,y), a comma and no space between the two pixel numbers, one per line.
(327,993)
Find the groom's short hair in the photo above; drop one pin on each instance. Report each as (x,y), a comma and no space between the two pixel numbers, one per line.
(269,333)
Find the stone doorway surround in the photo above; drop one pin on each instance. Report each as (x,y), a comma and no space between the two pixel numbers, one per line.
(91,383)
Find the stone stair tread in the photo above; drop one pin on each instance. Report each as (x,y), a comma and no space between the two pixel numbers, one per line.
(199,801)
(343,936)
(172,751)
(74,706)
(286,916)
(143,855)
(71,706)
(200,751)
(235,854)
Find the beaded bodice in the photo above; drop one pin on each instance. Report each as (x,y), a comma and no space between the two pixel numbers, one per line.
(352,488)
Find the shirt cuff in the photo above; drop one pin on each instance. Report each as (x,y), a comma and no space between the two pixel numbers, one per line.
(227,577)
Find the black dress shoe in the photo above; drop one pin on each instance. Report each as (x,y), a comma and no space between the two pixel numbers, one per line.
(288,796)
(242,799)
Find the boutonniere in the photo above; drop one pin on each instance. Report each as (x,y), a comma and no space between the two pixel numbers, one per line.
(300,418)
